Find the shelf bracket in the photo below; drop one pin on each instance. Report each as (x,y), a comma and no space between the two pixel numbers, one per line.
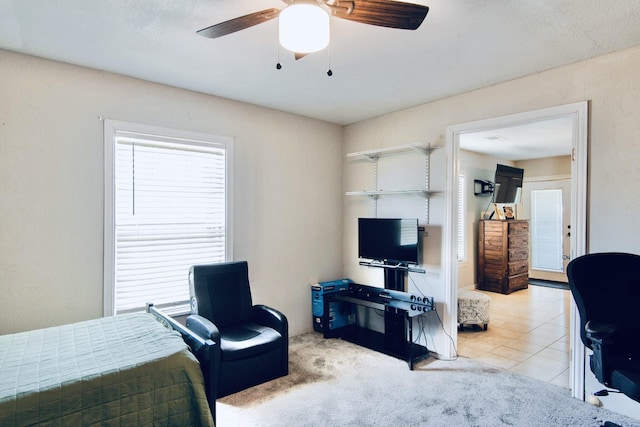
(422,150)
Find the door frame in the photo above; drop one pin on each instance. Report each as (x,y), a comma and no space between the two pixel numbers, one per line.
(579,113)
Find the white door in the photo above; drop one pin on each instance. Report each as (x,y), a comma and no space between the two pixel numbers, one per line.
(547,206)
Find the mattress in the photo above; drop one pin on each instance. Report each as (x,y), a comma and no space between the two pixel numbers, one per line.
(121,370)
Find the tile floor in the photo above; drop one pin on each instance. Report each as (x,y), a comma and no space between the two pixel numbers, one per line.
(528,333)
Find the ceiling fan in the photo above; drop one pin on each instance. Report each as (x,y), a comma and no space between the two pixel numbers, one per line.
(382,13)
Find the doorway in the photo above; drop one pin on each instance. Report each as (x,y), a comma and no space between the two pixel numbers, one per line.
(578,113)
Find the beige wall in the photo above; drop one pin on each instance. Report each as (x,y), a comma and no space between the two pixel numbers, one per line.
(548,167)
(287,189)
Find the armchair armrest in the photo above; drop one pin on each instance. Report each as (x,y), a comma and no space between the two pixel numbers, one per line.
(203,327)
(271,317)
(275,319)
(601,336)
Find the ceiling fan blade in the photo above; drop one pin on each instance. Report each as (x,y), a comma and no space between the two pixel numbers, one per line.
(383,13)
(237,24)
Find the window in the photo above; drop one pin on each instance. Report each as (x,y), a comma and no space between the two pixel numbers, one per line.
(167,207)
(546,230)
(461,219)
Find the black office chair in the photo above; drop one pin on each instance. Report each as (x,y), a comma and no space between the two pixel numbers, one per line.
(606,288)
(254,341)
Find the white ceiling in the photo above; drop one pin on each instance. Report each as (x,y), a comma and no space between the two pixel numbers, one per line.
(461,46)
(536,140)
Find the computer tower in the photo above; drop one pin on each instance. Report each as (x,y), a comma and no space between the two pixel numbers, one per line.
(340,313)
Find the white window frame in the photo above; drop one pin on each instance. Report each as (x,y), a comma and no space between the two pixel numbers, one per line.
(111,130)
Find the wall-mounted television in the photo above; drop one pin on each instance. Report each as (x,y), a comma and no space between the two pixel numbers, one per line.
(508,184)
(389,240)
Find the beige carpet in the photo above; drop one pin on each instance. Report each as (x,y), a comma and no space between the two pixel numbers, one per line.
(336,383)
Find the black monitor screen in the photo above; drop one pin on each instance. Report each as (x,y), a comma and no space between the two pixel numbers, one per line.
(392,240)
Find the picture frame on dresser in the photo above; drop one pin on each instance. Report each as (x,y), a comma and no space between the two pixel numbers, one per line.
(509,211)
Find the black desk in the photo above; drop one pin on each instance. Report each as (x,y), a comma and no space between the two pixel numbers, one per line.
(399,311)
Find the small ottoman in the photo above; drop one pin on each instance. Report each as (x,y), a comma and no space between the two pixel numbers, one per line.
(473,309)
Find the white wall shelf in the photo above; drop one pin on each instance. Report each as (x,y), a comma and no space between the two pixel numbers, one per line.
(374,155)
(376,193)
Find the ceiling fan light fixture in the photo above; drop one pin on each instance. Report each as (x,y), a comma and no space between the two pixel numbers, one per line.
(304,27)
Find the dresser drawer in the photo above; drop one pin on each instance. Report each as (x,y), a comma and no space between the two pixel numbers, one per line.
(518,267)
(518,227)
(518,240)
(518,282)
(517,254)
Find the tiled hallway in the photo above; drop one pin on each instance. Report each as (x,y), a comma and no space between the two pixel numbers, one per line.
(528,333)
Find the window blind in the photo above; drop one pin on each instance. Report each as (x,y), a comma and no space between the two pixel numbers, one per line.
(546,230)
(169,214)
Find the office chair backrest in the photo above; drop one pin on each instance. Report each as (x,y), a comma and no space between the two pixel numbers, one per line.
(221,291)
(606,288)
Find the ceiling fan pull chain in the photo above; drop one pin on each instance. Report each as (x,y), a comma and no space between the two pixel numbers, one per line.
(278,64)
(329,71)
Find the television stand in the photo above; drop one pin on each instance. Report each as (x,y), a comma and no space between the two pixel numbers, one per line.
(400,308)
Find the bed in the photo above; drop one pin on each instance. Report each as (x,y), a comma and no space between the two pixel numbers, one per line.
(134,369)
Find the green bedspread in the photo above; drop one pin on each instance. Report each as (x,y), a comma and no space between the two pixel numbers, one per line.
(126,370)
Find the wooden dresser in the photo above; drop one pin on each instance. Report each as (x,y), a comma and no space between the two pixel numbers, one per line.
(503,255)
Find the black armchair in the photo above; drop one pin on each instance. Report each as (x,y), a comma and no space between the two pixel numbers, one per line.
(253,339)
(606,288)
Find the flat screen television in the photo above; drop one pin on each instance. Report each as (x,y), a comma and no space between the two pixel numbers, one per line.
(508,184)
(389,240)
